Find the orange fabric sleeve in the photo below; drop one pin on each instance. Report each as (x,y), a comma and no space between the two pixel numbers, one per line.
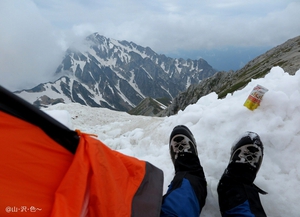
(32,167)
(109,178)
(38,177)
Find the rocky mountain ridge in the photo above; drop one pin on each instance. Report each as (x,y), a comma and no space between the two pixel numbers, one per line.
(286,55)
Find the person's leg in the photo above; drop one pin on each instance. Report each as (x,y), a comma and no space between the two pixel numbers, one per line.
(187,192)
(238,196)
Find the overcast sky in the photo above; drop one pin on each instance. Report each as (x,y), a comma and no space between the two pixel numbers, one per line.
(35,33)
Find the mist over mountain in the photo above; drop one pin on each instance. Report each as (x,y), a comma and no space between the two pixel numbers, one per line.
(224,59)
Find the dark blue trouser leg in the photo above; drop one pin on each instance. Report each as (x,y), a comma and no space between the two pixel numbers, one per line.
(187,192)
(181,201)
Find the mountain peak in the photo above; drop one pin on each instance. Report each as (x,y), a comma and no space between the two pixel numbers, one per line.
(118,75)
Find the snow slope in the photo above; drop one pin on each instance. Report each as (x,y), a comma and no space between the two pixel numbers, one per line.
(216,124)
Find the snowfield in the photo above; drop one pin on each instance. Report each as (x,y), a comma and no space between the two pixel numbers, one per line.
(216,124)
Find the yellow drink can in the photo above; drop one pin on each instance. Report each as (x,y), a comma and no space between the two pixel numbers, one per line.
(255,97)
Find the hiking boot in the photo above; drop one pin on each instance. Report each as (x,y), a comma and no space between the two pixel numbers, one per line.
(181,142)
(246,157)
(188,170)
(236,190)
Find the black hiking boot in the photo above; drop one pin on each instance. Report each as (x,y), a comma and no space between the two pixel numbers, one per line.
(246,158)
(236,184)
(181,142)
(186,162)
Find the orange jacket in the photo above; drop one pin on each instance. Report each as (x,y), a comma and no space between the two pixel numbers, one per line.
(38,175)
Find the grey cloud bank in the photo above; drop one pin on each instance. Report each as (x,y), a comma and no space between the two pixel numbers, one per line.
(35,33)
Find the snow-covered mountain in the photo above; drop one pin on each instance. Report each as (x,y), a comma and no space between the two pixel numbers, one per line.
(103,72)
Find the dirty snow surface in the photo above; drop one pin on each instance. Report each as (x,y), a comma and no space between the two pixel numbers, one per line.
(216,124)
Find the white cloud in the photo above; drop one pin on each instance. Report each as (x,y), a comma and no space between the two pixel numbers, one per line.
(34,33)
(28,46)
(167,25)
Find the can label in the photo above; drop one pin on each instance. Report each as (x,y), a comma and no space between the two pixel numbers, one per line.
(255,97)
